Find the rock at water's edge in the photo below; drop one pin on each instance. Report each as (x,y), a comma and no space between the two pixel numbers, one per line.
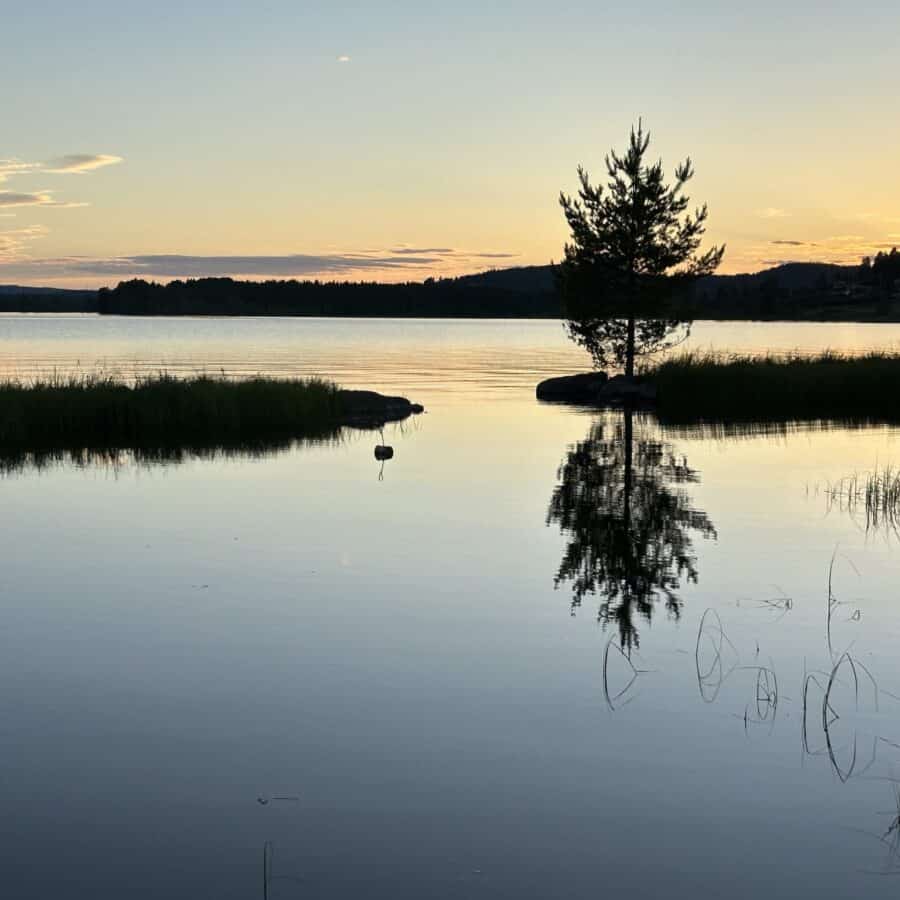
(620,389)
(372,408)
(582,388)
(596,389)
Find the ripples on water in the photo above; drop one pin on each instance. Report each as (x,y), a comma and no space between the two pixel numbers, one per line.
(441,357)
(517,660)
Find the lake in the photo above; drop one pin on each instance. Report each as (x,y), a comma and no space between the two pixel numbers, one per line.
(305,674)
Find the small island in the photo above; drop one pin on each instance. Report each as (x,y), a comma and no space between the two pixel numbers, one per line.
(707,387)
(103,412)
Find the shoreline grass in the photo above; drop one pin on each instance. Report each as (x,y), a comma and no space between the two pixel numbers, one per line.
(874,494)
(694,386)
(99,411)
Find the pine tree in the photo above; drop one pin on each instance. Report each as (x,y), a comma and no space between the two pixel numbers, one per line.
(633,246)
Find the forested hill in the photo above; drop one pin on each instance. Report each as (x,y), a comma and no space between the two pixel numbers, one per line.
(444,298)
(16,298)
(791,291)
(868,292)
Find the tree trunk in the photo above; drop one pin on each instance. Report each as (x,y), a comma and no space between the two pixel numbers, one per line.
(631,570)
(629,461)
(629,352)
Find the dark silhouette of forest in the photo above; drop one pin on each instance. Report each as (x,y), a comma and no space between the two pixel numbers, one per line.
(791,291)
(14,298)
(869,291)
(448,297)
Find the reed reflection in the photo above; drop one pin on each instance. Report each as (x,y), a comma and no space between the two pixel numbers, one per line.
(16,461)
(622,504)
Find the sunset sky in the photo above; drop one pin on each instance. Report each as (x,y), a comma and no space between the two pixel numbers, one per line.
(400,140)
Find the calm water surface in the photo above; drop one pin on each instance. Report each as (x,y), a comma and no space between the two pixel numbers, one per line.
(301,676)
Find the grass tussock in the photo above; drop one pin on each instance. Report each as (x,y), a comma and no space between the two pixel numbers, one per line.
(103,411)
(710,385)
(874,496)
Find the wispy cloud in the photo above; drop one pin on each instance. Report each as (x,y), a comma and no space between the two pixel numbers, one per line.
(79,163)
(72,164)
(415,251)
(838,249)
(343,58)
(10,167)
(772,212)
(407,262)
(13,243)
(181,266)
(10,199)
(450,251)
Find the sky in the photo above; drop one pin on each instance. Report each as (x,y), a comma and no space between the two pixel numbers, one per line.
(401,140)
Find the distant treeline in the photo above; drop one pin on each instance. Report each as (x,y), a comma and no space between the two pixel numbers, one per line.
(227,297)
(49,300)
(870,291)
(798,291)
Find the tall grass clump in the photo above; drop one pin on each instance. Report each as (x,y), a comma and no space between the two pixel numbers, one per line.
(710,385)
(874,494)
(103,411)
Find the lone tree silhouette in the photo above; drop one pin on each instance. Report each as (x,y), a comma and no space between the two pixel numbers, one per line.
(633,245)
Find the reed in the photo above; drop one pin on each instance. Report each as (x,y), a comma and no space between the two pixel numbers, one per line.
(99,411)
(698,385)
(873,495)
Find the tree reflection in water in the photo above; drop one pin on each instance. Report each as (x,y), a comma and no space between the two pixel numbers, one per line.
(621,502)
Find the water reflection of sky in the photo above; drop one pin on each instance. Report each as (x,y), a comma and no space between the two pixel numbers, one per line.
(180,640)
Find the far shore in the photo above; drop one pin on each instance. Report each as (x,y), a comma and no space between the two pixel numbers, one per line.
(834,317)
(789,292)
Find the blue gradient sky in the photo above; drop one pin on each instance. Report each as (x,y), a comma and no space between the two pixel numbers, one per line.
(451,127)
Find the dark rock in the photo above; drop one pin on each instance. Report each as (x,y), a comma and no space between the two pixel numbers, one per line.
(584,388)
(597,389)
(371,409)
(621,389)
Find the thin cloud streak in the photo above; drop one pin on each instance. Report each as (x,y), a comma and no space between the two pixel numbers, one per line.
(12,199)
(10,167)
(373,266)
(79,163)
(13,242)
(841,249)
(415,251)
(179,266)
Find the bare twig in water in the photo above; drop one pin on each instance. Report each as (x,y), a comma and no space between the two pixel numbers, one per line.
(268,854)
(833,602)
(764,707)
(830,716)
(890,838)
(613,699)
(269,870)
(711,678)
(782,604)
